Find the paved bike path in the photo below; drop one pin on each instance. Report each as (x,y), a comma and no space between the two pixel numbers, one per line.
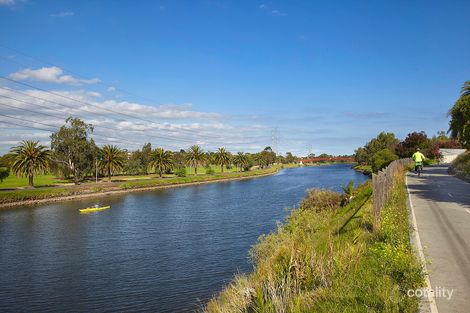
(441,204)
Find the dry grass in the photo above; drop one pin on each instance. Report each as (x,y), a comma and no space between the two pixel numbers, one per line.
(320,200)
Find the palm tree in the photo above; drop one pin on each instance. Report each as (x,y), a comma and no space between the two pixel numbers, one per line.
(112,159)
(222,158)
(465,89)
(240,160)
(161,160)
(30,158)
(259,159)
(195,157)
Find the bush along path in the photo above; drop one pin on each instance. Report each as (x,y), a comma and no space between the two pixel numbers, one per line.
(326,257)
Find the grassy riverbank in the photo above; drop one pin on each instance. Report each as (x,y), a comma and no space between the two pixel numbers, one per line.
(364,169)
(325,258)
(20,195)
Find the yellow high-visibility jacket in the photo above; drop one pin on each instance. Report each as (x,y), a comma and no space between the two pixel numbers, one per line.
(418,157)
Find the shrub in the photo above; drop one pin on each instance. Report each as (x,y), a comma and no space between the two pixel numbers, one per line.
(210,171)
(4,173)
(462,163)
(449,144)
(320,200)
(382,159)
(180,172)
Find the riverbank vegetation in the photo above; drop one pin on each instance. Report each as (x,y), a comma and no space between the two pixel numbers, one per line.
(326,258)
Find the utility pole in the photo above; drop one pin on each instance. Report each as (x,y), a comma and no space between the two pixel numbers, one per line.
(96,169)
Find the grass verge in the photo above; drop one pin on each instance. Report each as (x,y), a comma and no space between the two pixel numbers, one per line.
(365,169)
(325,258)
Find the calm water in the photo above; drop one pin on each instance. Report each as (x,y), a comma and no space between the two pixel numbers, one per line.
(160,251)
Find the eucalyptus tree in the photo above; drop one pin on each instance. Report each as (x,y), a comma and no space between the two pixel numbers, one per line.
(73,152)
(222,157)
(112,160)
(241,160)
(161,160)
(30,158)
(146,156)
(195,157)
(269,157)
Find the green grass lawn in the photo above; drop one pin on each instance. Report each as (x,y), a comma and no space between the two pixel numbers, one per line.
(39,181)
(366,169)
(201,171)
(216,168)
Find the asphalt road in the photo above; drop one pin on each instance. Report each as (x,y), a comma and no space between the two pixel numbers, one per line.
(441,204)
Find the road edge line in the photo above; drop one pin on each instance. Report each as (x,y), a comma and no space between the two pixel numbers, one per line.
(431,298)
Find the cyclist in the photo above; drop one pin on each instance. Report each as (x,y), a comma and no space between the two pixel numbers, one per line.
(418,157)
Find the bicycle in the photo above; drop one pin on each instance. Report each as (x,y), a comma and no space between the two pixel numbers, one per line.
(419,168)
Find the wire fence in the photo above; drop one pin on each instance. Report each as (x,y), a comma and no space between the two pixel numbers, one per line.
(382,184)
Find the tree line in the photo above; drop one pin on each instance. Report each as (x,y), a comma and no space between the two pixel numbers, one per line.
(74,155)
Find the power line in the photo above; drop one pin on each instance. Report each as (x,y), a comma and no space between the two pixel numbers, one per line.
(110,128)
(71,72)
(100,82)
(35,128)
(53,126)
(79,109)
(35,112)
(94,105)
(90,104)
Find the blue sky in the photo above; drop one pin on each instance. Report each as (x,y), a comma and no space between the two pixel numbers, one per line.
(328,75)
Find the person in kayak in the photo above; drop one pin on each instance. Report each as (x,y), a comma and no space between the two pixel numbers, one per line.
(418,157)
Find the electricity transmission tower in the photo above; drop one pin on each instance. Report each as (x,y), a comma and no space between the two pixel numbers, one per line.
(275,140)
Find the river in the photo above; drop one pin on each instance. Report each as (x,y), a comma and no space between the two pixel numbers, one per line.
(166,250)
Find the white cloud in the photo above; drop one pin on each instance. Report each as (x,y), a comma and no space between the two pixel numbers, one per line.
(172,126)
(366,116)
(271,10)
(62,14)
(51,74)
(277,12)
(94,94)
(111,89)
(7,2)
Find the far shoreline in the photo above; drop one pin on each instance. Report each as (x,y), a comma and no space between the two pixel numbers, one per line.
(53,199)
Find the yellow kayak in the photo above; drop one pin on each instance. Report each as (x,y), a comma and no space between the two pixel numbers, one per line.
(94,209)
